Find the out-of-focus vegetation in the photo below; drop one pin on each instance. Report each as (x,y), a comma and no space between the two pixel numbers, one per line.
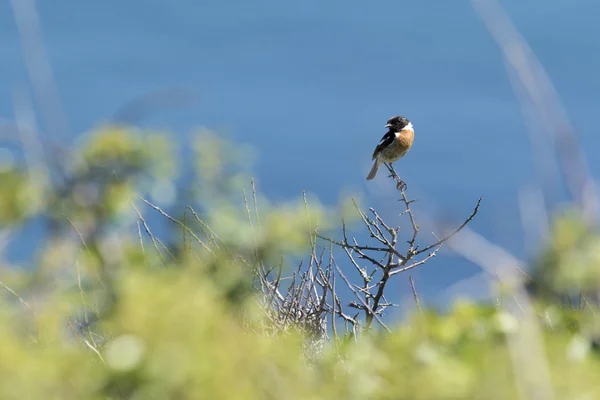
(107,308)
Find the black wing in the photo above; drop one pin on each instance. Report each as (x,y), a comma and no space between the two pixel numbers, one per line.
(385,141)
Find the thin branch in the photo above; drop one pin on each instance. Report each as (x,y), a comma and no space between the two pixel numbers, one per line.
(361,247)
(414,290)
(181,224)
(416,263)
(21,300)
(371,312)
(147,229)
(445,238)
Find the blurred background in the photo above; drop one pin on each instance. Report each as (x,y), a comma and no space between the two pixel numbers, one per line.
(309,85)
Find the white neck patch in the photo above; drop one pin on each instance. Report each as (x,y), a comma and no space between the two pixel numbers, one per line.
(408,127)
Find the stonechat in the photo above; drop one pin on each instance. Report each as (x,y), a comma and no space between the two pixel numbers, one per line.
(394,144)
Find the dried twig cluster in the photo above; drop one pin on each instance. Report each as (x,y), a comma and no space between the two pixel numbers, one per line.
(312,297)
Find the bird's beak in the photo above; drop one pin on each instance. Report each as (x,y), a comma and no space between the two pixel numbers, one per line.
(388,126)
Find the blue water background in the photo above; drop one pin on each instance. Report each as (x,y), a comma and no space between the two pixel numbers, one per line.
(310,84)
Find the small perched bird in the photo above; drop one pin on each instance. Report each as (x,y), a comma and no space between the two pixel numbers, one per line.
(394,144)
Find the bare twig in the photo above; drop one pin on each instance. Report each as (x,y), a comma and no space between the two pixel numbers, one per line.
(385,257)
(445,238)
(416,263)
(364,304)
(21,300)
(414,291)
(181,224)
(147,229)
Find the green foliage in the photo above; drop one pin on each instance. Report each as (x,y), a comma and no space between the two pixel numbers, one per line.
(108,310)
(18,199)
(173,336)
(572,257)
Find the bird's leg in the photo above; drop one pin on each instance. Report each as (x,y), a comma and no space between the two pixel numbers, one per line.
(400,184)
(392,172)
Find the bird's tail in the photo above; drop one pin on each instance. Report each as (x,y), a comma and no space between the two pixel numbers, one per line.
(373,170)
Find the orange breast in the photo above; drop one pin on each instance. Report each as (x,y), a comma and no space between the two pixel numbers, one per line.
(398,148)
(406,138)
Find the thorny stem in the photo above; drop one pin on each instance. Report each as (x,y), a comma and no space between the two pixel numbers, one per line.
(392,261)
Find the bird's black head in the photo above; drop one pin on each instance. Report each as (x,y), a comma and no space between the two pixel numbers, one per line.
(397,123)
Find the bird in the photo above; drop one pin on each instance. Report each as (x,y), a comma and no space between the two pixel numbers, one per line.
(394,144)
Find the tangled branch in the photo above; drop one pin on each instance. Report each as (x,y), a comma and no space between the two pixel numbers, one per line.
(386,258)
